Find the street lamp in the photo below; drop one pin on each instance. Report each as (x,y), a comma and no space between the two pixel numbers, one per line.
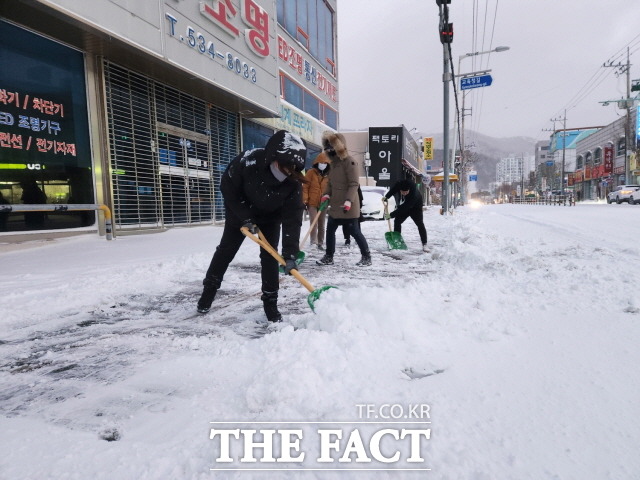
(457,122)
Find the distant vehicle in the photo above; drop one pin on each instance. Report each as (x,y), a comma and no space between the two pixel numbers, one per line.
(372,206)
(624,193)
(634,198)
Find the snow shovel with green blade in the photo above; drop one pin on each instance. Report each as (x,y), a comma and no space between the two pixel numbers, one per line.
(314,294)
(394,239)
(300,256)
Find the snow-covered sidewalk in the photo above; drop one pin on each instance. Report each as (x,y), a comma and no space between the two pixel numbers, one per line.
(520,331)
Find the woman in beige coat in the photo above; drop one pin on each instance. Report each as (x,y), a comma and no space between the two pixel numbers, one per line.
(342,192)
(317,180)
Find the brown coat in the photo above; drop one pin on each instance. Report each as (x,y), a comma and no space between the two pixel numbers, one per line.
(316,182)
(343,177)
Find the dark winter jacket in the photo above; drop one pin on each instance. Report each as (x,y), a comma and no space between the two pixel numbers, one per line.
(252,192)
(404,206)
(343,177)
(316,181)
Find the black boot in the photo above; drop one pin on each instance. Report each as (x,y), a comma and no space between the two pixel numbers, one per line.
(365,261)
(325,260)
(270,303)
(209,291)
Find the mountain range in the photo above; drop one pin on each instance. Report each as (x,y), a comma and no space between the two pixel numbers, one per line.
(487,151)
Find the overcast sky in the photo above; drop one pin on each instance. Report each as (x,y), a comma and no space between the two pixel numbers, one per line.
(391,61)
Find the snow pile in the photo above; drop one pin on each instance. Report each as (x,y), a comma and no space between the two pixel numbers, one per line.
(519,330)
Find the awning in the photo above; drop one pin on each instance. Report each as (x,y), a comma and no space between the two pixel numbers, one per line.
(440,177)
(414,170)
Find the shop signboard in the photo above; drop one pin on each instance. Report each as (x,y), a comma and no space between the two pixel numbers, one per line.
(608,159)
(299,64)
(427,148)
(578,176)
(298,122)
(45,154)
(43,118)
(230,43)
(385,149)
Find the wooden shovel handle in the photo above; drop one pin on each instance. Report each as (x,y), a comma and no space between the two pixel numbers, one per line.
(386,213)
(267,246)
(313,224)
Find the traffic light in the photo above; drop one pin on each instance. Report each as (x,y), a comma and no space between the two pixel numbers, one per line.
(441,2)
(446,33)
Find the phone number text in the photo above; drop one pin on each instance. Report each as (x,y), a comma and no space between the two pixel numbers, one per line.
(199,42)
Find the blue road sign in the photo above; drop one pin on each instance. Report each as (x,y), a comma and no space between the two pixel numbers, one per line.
(475,82)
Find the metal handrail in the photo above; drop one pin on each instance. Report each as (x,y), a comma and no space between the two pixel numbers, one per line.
(59,207)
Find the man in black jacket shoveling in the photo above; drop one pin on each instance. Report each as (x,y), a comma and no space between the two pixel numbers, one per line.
(262,189)
(409,205)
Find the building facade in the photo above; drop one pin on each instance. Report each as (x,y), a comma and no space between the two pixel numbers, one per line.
(141,105)
(600,161)
(544,171)
(510,169)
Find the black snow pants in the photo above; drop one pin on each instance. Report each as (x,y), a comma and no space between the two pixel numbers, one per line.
(230,243)
(416,215)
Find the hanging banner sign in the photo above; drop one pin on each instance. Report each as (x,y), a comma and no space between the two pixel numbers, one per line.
(608,159)
(427,148)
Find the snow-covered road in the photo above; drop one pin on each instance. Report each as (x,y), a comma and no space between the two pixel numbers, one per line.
(519,330)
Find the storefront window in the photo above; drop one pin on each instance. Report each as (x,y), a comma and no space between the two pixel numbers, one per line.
(45,155)
(330,117)
(254,135)
(311,23)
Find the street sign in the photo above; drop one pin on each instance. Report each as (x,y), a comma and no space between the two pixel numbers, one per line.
(475,82)
(549,163)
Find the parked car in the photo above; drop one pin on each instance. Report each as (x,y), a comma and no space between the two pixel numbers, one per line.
(372,206)
(634,198)
(623,193)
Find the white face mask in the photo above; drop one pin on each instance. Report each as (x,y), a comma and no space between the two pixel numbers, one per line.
(277,172)
(322,166)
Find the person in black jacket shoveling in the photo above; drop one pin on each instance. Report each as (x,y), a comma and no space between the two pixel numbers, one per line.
(409,205)
(261,189)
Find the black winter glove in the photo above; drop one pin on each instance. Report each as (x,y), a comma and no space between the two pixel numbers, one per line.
(249,225)
(290,265)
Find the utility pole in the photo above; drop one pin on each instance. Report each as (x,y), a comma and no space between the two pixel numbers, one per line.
(463,157)
(628,131)
(564,145)
(446,38)
(564,149)
(627,105)
(522,192)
